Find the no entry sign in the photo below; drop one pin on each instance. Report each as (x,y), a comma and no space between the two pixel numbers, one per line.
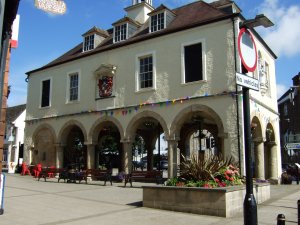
(247,50)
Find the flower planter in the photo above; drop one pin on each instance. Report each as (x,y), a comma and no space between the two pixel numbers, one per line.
(223,202)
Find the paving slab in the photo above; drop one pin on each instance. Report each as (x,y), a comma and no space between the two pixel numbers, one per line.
(32,202)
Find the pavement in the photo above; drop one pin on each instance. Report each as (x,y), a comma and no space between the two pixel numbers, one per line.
(32,202)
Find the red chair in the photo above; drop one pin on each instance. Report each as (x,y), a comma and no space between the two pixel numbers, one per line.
(50,174)
(25,169)
(37,170)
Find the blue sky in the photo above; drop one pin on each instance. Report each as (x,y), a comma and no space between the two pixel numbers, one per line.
(44,37)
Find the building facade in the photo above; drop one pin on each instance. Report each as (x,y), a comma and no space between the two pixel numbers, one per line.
(14,137)
(156,71)
(289,107)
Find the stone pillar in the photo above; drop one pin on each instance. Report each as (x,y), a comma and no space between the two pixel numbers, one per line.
(127,156)
(273,161)
(90,156)
(59,155)
(149,146)
(172,158)
(259,159)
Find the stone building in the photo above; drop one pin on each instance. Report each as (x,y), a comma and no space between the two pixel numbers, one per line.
(156,71)
(289,108)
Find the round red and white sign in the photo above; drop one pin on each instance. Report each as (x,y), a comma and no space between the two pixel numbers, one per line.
(247,50)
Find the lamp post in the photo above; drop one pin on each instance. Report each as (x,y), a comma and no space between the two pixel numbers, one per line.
(250,208)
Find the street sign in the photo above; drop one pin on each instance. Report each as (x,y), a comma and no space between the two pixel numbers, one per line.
(246,81)
(292,145)
(247,50)
(52,6)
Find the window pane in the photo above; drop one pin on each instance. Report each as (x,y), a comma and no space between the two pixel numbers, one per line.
(45,93)
(73,87)
(146,74)
(193,62)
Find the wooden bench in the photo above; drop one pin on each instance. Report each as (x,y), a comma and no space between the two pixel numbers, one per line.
(145,176)
(97,174)
(51,173)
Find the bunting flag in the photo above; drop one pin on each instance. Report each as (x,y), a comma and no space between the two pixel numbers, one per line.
(130,109)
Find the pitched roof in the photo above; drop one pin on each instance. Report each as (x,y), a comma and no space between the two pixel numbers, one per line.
(160,8)
(12,113)
(188,16)
(96,30)
(126,19)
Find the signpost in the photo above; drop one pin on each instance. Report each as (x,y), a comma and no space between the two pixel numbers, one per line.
(52,6)
(292,146)
(248,55)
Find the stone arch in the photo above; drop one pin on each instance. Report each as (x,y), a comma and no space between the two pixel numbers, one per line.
(257,129)
(133,124)
(185,113)
(44,126)
(107,131)
(257,156)
(43,148)
(67,127)
(92,135)
(149,125)
(270,153)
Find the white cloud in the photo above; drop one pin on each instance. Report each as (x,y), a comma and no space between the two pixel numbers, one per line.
(281,89)
(284,36)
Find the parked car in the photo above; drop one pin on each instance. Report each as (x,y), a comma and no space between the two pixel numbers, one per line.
(139,164)
(294,171)
(163,165)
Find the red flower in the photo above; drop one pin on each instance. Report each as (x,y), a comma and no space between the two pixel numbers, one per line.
(222,184)
(217,180)
(206,185)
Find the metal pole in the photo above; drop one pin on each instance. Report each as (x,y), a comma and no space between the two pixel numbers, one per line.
(250,208)
(298,212)
(280,219)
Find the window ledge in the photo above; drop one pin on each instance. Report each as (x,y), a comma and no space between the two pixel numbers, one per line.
(72,102)
(194,82)
(145,90)
(102,98)
(45,107)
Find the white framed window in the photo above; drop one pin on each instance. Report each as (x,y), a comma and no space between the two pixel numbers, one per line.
(120,32)
(157,22)
(46,92)
(89,43)
(146,71)
(193,61)
(73,87)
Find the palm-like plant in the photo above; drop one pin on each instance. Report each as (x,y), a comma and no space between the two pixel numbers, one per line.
(205,167)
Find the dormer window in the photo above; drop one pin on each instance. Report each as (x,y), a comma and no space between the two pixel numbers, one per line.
(93,38)
(124,29)
(120,32)
(157,22)
(160,18)
(89,43)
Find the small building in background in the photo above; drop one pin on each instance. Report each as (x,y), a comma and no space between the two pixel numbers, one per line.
(289,108)
(14,137)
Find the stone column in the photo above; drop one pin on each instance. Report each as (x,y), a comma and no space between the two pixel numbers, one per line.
(127,156)
(273,161)
(90,156)
(259,159)
(149,147)
(172,158)
(59,155)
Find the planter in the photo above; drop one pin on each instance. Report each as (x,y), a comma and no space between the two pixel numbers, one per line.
(223,202)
